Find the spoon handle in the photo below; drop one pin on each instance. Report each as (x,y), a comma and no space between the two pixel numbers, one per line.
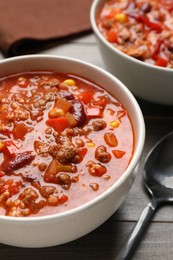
(137,231)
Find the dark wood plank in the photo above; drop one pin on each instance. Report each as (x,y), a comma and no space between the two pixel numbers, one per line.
(102,243)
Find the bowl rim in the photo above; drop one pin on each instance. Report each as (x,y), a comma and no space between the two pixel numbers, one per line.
(133,163)
(94,8)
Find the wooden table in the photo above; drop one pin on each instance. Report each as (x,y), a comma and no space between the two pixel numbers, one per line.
(105,241)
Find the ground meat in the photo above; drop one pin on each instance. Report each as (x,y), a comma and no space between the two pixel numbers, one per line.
(81,131)
(50,83)
(18,212)
(54,149)
(46,191)
(18,115)
(136,34)
(79,142)
(64,180)
(64,140)
(96,169)
(29,198)
(28,195)
(5,195)
(53,200)
(40,103)
(124,35)
(64,153)
(98,125)
(94,186)
(42,166)
(50,96)
(41,148)
(70,132)
(140,51)
(102,155)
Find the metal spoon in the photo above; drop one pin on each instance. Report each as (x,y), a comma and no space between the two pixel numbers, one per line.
(158,178)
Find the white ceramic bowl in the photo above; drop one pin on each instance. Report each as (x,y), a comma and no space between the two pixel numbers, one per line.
(64,227)
(149,82)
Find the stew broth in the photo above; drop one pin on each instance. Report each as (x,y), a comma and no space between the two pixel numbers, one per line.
(63,141)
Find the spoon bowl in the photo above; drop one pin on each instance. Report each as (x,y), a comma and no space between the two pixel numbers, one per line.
(158,179)
(158,170)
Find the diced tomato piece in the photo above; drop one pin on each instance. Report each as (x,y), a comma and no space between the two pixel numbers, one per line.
(1,174)
(85,97)
(59,124)
(100,171)
(82,152)
(20,130)
(152,25)
(157,49)
(161,62)
(71,119)
(63,199)
(9,148)
(94,112)
(118,153)
(54,168)
(112,36)
(63,104)
(110,139)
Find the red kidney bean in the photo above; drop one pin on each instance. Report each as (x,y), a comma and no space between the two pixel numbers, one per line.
(146,7)
(170,48)
(17,161)
(77,109)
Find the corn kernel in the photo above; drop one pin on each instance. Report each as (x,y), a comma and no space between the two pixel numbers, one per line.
(90,145)
(121,18)
(114,124)
(55,112)
(1,146)
(69,82)
(21,79)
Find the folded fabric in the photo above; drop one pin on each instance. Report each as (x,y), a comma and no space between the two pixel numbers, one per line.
(27,26)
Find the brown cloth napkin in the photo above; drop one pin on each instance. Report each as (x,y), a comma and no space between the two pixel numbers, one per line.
(28,26)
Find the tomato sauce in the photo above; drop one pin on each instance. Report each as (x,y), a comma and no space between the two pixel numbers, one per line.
(142,29)
(63,141)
